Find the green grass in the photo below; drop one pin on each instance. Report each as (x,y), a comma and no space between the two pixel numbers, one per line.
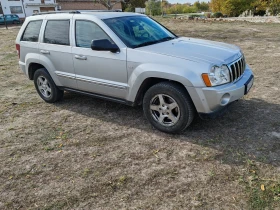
(261,198)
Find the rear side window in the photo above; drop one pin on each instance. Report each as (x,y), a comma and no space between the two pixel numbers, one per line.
(57,32)
(32,31)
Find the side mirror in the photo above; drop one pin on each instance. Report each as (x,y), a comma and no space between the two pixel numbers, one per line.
(104,45)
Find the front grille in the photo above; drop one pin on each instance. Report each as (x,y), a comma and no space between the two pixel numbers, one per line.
(237,69)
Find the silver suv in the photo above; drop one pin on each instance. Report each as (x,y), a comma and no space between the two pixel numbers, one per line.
(131,59)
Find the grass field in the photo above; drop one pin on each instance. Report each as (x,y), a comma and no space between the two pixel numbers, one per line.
(86,153)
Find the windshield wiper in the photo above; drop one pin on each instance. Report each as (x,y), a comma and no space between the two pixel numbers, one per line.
(155,42)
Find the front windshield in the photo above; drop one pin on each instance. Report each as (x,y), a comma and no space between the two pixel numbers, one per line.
(139,31)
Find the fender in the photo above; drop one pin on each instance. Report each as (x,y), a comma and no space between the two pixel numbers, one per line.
(44,61)
(149,70)
(29,59)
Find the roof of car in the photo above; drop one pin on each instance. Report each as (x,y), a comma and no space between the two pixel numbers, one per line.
(106,15)
(98,14)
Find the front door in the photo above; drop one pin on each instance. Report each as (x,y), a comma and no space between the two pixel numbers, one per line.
(100,72)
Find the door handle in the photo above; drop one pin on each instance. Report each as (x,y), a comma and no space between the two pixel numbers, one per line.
(80,57)
(45,52)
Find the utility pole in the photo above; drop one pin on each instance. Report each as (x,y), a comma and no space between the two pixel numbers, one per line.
(5,21)
(162,8)
(23,9)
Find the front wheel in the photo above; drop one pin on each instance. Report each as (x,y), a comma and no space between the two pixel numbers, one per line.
(168,107)
(46,87)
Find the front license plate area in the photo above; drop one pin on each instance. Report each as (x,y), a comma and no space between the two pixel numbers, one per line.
(249,84)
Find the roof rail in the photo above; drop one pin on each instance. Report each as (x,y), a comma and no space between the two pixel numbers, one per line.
(57,12)
(116,10)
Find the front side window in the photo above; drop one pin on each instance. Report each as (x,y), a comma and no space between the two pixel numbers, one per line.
(139,31)
(32,31)
(87,31)
(57,32)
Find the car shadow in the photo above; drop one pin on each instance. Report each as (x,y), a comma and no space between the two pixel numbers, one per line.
(250,129)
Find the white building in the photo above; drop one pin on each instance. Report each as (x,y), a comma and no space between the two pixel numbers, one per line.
(25,8)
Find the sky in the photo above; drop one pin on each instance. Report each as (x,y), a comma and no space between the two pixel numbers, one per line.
(182,1)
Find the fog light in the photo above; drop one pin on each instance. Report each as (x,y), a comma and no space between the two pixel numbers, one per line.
(225,99)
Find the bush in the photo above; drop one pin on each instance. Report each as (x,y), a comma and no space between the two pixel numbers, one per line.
(217,15)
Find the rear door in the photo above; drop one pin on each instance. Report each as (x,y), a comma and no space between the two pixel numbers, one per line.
(55,49)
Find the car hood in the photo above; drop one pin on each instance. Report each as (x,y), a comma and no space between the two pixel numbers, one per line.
(198,50)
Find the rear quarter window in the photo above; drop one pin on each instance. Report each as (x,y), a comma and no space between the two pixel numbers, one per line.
(32,31)
(57,32)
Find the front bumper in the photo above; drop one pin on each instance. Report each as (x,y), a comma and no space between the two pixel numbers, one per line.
(211,101)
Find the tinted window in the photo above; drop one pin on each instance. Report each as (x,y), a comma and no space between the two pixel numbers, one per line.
(57,32)
(31,33)
(87,31)
(138,31)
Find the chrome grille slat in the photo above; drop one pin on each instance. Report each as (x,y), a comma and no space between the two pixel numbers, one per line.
(244,67)
(230,75)
(241,65)
(237,69)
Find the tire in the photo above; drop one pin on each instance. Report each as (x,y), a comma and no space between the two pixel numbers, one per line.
(46,87)
(168,107)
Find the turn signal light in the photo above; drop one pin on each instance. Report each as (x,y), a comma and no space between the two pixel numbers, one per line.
(206,80)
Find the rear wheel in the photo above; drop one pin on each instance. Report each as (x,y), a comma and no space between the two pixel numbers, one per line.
(46,87)
(168,107)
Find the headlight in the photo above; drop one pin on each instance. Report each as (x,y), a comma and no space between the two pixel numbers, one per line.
(217,76)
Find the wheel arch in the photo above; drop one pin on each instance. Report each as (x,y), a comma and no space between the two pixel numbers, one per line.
(35,63)
(151,81)
(32,68)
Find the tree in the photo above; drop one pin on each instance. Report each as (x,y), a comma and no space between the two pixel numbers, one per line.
(108,4)
(274,7)
(130,5)
(153,7)
(236,7)
(203,6)
(216,5)
(197,5)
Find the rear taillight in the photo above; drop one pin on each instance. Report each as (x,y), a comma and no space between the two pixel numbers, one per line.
(18,50)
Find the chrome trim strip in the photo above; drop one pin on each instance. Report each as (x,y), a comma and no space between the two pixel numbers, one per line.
(100,82)
(91,80)
(64,74)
